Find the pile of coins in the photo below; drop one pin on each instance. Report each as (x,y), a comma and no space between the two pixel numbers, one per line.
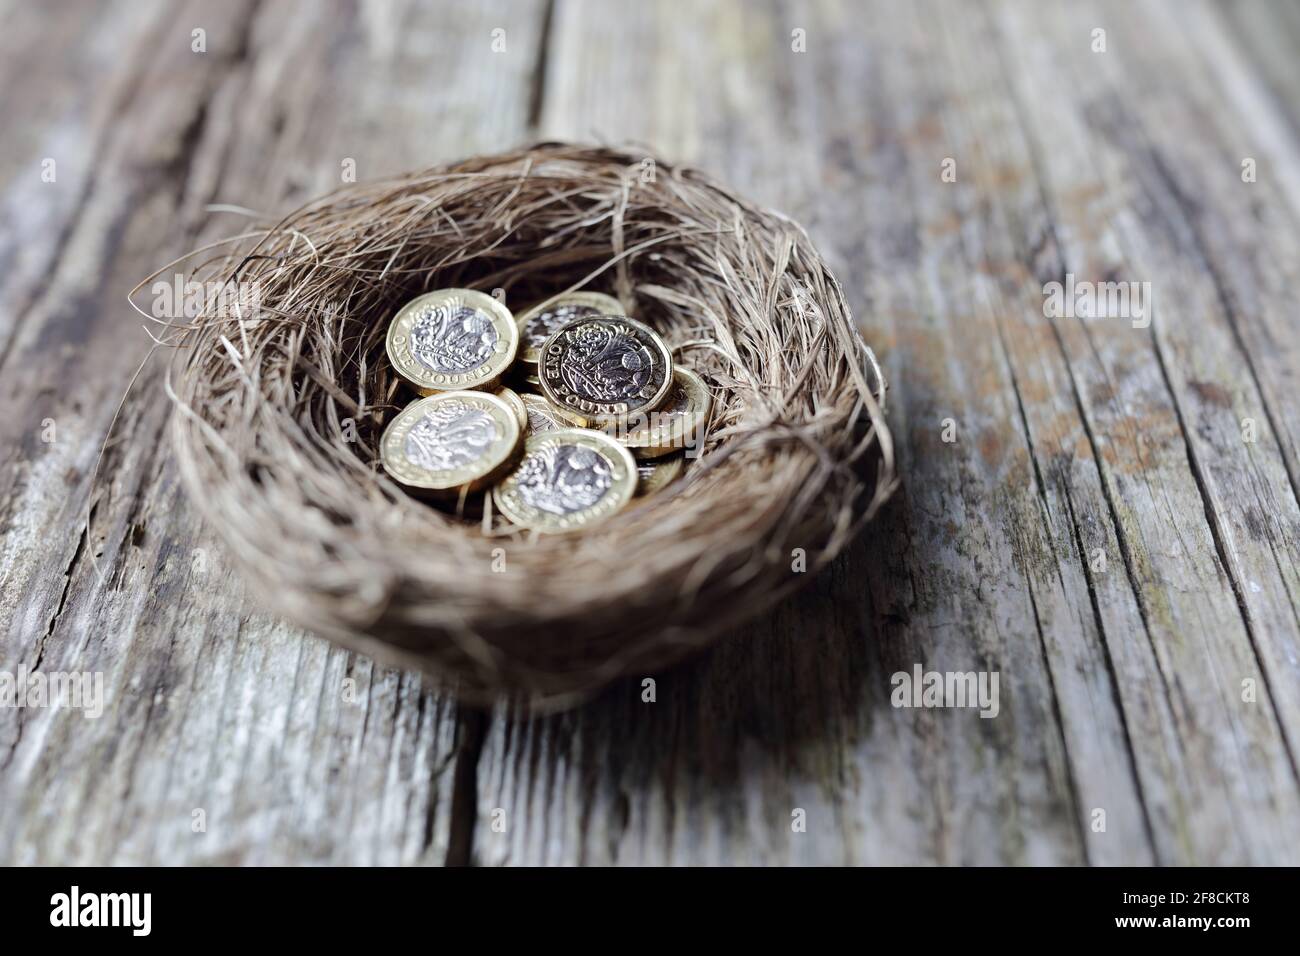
(563,414)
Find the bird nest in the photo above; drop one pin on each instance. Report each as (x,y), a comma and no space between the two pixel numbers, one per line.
(284,390)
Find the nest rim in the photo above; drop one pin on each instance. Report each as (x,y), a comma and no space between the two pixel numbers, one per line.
(280,402)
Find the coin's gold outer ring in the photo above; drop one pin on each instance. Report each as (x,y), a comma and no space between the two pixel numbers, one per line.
(425,380)
(654,439)
(590,419)
(663,472)
(514,401)
(622,488)
(486,471)
(602,303)
(539,404)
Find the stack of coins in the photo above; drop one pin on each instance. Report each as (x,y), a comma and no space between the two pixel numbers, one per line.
(598,414)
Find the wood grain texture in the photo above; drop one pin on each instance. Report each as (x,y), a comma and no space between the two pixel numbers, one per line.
(213,706)
(1099,533)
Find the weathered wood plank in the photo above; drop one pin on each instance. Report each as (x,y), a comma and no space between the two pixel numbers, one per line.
(877,784)
(1117,172)
(1121,680)
(1098,533)
(294,751)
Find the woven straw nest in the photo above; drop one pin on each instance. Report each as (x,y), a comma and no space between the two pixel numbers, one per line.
(281,400)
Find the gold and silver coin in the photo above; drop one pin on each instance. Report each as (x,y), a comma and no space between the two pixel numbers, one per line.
(452,339)
(675,424)
(540,322)
(542,415)
(512,399)
(567,480)
(603,369)
(451,441)
(656,473)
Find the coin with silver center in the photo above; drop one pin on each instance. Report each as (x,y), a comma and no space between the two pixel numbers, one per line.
(602,369)
(678,422)
(540,322)
(452,339)
(451,441)
(568,479)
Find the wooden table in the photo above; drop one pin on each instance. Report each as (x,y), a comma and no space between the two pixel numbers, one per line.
(1101,511)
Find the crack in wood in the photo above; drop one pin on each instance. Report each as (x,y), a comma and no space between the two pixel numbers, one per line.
(470,730)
